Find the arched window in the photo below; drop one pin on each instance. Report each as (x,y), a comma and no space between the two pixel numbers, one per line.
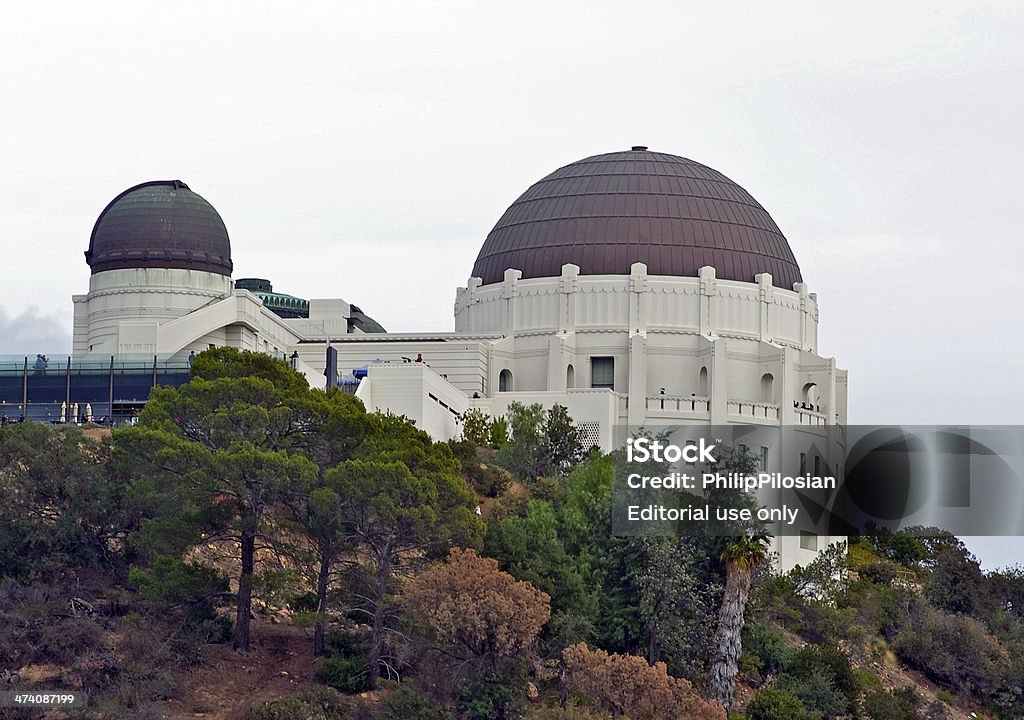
(505,381)
(570,377)
(810,394)
(768,388)
(702,384)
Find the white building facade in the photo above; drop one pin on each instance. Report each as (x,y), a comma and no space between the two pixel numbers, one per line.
(637,289)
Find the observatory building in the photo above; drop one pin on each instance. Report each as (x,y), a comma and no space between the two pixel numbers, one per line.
(635,288)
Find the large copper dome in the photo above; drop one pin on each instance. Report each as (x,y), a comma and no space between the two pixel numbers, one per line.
(161,224)
(606,212)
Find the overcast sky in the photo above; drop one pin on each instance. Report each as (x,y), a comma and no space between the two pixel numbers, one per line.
(364,150)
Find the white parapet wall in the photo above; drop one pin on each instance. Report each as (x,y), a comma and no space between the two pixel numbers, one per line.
(417,392)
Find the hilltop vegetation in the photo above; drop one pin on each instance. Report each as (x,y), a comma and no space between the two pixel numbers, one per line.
(257,549)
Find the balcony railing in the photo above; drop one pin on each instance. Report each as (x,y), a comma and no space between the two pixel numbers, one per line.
(689,404)
(810,417)
(754,410)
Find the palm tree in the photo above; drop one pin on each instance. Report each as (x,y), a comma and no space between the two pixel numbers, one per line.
(742,555)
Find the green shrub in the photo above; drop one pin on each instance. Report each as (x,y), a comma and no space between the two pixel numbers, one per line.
(899,704)
(499,433)
(817,692)
(203,624)
(773,704)
(405,702)
(348,675)
(498,694)
(768,645)
(176,582)
(953,649)
(823,678)
(749,664)
(571,711)
(311,704)
(303,602)
(344,667)
(946,696)
(867,681)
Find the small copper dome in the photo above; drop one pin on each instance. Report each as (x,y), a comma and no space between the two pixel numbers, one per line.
(159,224)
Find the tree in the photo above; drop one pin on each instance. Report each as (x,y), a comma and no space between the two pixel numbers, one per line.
(530,548)
(343,428)
(476,427)
(955,582)
(474,609)
(825,578)
(540,443)
(523,454)
(224,452)
(228,362)
(63,506)
(677,600)
(401,501)
(608,563)
(562,440)
(626,685)
(1007,589)
(741,557)
(324,527)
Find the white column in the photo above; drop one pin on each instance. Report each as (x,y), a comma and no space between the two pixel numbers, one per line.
(637,379)
(805,308)
(764,296)
(567,298)
(719,380)
(637,300)
(509,291)
(708,289)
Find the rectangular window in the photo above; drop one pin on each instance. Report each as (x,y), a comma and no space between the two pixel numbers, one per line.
(743,450)
(808,541)
(817,465)
(602,372)
(764,459)
(803,463)
(688,463)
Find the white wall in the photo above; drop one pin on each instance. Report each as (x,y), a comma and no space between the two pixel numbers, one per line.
(416,391)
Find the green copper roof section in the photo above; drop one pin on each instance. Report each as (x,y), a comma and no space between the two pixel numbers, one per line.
(284,305)
(289,306)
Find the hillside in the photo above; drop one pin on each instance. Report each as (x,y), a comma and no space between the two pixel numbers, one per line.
(256,550)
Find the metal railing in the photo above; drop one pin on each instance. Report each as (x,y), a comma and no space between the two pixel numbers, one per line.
(102,389)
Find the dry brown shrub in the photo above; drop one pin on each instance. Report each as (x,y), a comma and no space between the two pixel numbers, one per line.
(468,603)
(625,685)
